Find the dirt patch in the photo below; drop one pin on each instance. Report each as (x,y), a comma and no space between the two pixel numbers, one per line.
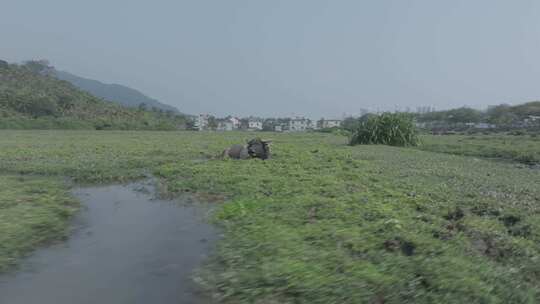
(406,247)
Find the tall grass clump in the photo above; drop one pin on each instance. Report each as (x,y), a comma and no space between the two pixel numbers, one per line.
(394,129)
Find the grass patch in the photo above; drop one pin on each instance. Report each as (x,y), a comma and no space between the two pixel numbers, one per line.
(393,129)
(33,211)
(523,148)
(321,222)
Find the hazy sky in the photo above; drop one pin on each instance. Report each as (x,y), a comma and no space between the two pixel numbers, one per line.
(272,57)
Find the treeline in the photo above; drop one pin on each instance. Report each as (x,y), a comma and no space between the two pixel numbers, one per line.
(499,115)
(31,99)
(504,117)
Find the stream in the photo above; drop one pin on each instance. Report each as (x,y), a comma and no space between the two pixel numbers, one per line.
(126,247)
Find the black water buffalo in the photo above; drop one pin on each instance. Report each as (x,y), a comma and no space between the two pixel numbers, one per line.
(255,148)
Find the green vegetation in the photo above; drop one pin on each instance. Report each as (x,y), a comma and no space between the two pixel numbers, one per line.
(100,157)
(502,116)
(35,205)
(369,224)
(321,222)
(453,116)
(394,129)
(33,211)
(522,148)
(506,114)
(29,99)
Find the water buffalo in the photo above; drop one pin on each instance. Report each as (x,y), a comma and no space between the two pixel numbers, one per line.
(255,148)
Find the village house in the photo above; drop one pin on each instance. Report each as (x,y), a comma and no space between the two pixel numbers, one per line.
(331,123)
(298,124)
(420,125)
(480,125)
(531,120)
(225,125)
(201,123)
(235,122)
(484,125)
(255,124)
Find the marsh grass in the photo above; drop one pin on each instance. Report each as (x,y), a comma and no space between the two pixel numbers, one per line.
(33,211)
(321,222)
(520,148)
(393,129)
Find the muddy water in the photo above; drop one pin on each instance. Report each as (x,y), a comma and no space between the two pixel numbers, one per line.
(126,248)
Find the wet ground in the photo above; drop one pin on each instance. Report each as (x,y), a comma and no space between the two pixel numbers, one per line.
(126,247)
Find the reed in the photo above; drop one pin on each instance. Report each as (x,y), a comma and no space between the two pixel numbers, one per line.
(393,129)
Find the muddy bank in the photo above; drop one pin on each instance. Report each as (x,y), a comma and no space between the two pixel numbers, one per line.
(126,247)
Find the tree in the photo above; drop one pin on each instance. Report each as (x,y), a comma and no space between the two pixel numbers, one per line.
(460,115)
(244,123)
(527,109)
(38,66)
(269,124)
(439,116)
(212,123)
(350,123)
(38,106)
(65,102)
(190,124)
(142,106)
(320,123)
(464,115)
(501,115)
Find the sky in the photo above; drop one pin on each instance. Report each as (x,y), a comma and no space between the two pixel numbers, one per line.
(316,58)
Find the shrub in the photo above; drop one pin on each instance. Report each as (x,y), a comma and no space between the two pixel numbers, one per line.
(517,133)
(394,129)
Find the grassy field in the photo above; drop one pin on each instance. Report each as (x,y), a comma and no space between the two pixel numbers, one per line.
(523,148)
(33,211)
(321,222)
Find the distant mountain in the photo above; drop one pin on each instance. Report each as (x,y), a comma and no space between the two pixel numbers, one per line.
(32,98)
(123,95)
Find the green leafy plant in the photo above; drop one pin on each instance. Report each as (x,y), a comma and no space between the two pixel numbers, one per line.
(394,129)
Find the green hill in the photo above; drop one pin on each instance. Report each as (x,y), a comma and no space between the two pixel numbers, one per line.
(123,95)
(32,99)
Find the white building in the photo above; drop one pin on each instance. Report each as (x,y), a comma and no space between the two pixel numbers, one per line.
(420,125)
(255,124)
(531,120)
(298,124)
(278,128)
(225,125)
(235,122)
(479,125)
(201,123)
(483,125)
(331,123)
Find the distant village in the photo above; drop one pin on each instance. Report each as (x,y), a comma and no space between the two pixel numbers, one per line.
(498,117)
(205,122)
